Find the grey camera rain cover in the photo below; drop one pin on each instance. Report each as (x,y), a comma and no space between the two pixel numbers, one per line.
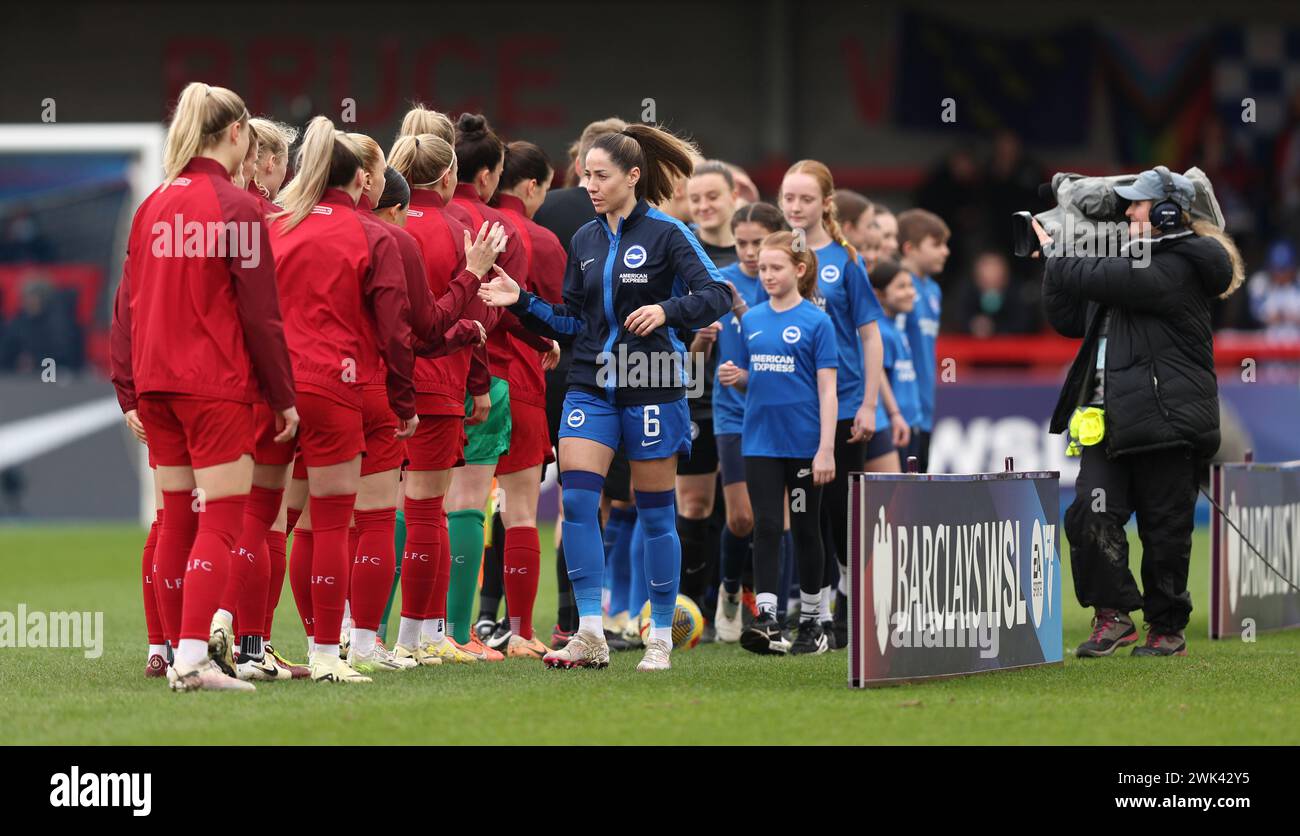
(1082,203)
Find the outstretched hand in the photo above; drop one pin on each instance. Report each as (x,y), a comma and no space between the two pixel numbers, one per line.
(501,291)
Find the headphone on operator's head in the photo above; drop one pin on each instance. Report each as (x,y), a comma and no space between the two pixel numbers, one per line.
(1166,214)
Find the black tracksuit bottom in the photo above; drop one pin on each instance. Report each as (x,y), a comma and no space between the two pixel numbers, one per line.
(1160,487)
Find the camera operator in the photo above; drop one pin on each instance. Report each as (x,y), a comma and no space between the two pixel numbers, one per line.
(1141,403)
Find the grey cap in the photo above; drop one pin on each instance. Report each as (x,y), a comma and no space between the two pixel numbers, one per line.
(1149,185)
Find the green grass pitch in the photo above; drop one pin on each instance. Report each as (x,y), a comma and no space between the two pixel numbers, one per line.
(1223,692)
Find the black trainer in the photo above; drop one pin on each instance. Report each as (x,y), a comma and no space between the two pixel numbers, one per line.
(616,642)
(828,630)
(483,628)
(810,639)
(764,636)
(500,636)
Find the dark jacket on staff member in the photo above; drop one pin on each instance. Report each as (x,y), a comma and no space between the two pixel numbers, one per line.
(1160,390)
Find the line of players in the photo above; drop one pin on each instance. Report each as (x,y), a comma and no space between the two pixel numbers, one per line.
(409,395)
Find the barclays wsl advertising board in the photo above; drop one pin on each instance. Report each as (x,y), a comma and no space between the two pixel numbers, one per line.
(1255,589)
(954,574)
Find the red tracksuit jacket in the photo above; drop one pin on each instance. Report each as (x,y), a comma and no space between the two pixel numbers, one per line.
(436,327)
(343,289)
(441,383)
(472,211)
(193,314)
(546,261)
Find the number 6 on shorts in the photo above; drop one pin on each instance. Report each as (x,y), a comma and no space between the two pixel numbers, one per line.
(651,420)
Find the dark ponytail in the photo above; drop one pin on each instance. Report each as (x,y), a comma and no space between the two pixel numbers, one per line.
(477,146)
(662,158)
(524,161)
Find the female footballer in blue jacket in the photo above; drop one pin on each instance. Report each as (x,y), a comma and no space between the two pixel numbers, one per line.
(634,274)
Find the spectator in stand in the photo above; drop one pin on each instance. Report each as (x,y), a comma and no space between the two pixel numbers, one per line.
(45,327)
(24,241)
(1275,294)
(954,190)
(1011,180)
(992,303)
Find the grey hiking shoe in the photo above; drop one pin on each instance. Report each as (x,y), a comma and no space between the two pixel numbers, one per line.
(1161,643)
(1111,629)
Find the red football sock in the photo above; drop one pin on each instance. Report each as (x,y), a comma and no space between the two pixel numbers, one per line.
(420,557)
(523,562)
(329,564)
(291,515)
(300,560)
(180,524)
(373,567)
(275,541)
(442,582)
(209,563)
(259,515)
(152,612)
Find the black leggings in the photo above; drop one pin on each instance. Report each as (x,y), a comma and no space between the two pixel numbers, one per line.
(768,479)
(849,458)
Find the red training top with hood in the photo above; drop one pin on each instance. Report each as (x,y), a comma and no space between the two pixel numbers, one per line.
(197,313)
(436,326)
(343,289)
(470,209)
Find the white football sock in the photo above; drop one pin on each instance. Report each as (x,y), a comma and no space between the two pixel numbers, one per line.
(329,650)
(434,630)
(158,650)
(191,653)
(766,601)
(809,603)
(593,624)
(663,634)
(408,632)
(363,641)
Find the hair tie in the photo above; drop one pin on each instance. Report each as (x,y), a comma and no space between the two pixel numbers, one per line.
(417,142)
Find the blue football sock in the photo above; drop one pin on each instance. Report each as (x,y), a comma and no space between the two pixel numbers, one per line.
(734,550)
(583,551)
(636,590)
(618,555)
(657,513)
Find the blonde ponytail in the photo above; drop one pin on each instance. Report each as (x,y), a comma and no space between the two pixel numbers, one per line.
(202,113)
(422,160)
(371,153)
(421,120)
(274,138)
(1206,229)
(327,158)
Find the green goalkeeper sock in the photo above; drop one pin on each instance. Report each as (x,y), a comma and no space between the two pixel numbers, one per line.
(465,531)
(399,542)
